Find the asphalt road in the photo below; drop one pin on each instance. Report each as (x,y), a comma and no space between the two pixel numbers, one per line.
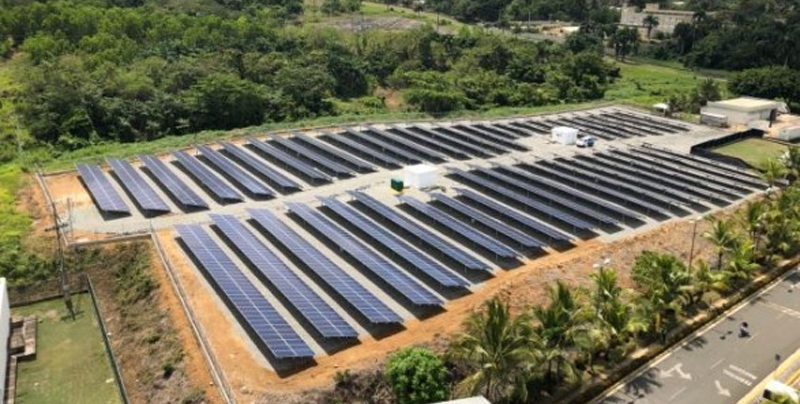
(718,366)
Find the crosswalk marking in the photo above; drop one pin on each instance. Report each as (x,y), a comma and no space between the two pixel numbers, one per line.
(783,309)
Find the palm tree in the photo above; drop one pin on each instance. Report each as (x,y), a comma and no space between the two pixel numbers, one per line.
(704,280)
(557,326)
(741,265)
(722,236)
(753,220)
(649,23)
(501,350)
(662,279)
(773,171)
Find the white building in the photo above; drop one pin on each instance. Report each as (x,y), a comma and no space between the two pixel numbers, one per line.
(667,19)
(741,111)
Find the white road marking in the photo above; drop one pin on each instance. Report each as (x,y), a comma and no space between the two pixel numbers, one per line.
(721,390)
(717,363)
(783,309)
(677,393)
(742,371)
(738,378)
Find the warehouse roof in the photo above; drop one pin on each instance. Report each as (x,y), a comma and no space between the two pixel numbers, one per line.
(746,104)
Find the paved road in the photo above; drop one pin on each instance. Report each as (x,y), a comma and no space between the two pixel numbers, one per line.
(718,366)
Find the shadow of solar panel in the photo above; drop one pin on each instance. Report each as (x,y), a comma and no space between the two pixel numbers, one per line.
(382,236)
(372,308)
(319,314)
(379,266)
(213,183)
(423,234)
(245,180)
(136,185)
(107,199)
(171,182)
(460,228)
(252,307)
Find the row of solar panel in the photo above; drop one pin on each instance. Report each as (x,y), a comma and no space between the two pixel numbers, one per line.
(604,125)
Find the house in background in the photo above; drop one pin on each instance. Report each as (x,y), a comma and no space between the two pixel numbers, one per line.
(667,19)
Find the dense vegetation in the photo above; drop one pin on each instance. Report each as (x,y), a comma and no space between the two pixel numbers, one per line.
(96,72)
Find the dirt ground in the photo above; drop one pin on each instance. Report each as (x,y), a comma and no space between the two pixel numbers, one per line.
(249,378)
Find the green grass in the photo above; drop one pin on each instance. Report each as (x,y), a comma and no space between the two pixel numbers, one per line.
(13,224)
(755,152)
(643,85)
(370,9)
(71,364)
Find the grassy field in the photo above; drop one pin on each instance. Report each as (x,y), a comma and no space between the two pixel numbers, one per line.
(71,364)
(371,9)
(755,152)
(645,84)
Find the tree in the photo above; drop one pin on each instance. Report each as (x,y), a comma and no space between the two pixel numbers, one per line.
(775,82)
(624,41)
(722,236)
(224,101)
(500,350)
(704,280)
(417,376)
(611,314)
(741,265)
(752,219)
(662,279)
(558,322)
(650,22)
(773,171)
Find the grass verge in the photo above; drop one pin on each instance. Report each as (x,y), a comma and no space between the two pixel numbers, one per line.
(755,152)
(71,365)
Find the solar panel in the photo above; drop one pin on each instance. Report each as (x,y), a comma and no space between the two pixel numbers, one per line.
(393,276)
(656,176)
(500,129)
(446,138)
(703,160)
(289,160)
(384,147)
(418,148)
(639,121)
(474,236)
(251,306)
(570,191)
(626,197)
(666,193)
(618,130)
(477,141)
(171,182)
(318,159)
(583,129)
(104,194)
(137,186)
(638,118)
(308,303)
(541,193)
(237,175)
(210,181)
(489,136)
(422,140)
(535,126)
(372,308)
(495,225)
(747,178)
(361,165)
(619,123)
(395,244)
(419,232)
(529,203)
(519,131)
(374,155)
(512,214)
(259,166)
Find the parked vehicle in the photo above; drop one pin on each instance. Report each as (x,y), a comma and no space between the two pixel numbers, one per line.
(586,141)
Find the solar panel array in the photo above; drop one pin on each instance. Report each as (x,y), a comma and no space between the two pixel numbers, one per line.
(172,183)
(257,313)
(312,156)
(142,193)
(107,199)
(208,179)
(289,161)
(238,175)
(259,166)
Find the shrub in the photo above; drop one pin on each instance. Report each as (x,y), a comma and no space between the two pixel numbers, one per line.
(417,376)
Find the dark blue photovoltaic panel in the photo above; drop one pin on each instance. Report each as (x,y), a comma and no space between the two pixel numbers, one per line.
(341,155)
(317,158)
(418,148)
(571,191)
(698,163)
(445,138)
(430,143)
(512,214)
(256,164)
(599,188)
(318,313)
(257,312)
(171,182)
(420,232)
(647,121)
(374,155)
(559,201)
(473,139)
(394,277)
(488,221)
(488,136)
(206,177)
(384,147)
(137,186)
(456,226)
(245,180)
(501,129)
(289,160)
(537,206)
(107,198)
(399,247)
(372,308)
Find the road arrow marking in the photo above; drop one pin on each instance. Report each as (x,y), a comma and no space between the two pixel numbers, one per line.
(678,368)
(720,390)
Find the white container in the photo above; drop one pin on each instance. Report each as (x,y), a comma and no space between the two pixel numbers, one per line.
(564,135)
(421,176)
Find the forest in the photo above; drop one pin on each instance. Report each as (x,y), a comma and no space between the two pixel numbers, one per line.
(98,72)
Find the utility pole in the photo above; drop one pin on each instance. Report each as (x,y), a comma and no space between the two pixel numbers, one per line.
(63,277)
